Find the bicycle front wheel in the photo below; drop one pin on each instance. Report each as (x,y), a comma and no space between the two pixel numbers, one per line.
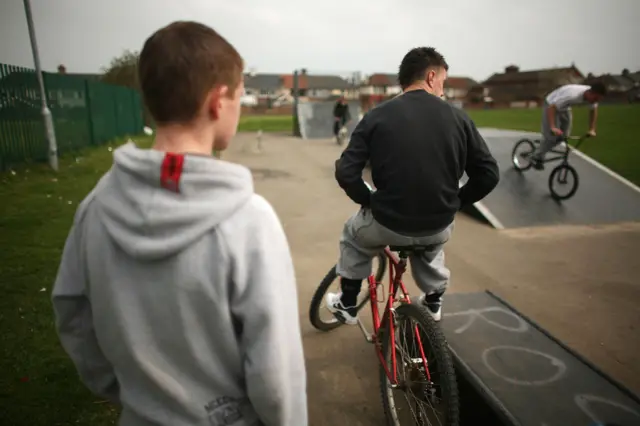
(423,396)
(319,315)
(563,182)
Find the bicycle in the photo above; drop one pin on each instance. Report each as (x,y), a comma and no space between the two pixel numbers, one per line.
(522,161)
(417,372)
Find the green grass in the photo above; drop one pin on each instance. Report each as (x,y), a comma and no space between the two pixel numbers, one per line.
(38,383)
(618,127)
(266,123)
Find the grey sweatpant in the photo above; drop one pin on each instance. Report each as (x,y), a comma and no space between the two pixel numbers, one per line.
(564,121)
(363,238)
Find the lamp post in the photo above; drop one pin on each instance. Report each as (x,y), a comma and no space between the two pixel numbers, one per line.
(46,112)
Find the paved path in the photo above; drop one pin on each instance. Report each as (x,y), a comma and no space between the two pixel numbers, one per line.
(582,283)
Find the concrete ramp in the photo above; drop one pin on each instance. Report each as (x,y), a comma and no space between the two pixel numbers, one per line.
(316,118)
(528,377)
(523,199)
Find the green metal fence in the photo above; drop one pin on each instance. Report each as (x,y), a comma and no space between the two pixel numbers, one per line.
(84,113)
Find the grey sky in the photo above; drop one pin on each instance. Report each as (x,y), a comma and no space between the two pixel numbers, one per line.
(478,37)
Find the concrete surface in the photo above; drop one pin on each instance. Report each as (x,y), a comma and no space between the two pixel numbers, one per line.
(581,283)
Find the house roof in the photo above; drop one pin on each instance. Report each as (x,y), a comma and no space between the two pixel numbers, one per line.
(381,80)
(327,82)
(622,81)
(263,81)
(619,82)
(318,82)
(634,76)
(465,83)
(532,75)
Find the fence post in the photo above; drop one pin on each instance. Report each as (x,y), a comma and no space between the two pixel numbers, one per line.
(87,97)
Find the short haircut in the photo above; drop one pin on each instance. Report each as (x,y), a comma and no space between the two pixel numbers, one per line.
(416,62)
(599,88)
(180,64)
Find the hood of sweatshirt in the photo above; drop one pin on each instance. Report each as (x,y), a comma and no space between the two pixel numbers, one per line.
(155,204)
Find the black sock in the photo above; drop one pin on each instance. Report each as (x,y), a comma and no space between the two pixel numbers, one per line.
(350,291)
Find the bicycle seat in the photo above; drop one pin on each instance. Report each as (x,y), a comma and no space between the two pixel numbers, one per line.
(407,250)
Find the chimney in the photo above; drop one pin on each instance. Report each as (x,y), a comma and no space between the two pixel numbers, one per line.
(303,71)
(62,69)
(511,69)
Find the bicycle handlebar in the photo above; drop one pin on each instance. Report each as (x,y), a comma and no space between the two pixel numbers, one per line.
(578,138)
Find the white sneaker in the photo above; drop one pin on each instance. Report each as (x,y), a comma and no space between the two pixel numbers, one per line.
(344,314)
(433,305)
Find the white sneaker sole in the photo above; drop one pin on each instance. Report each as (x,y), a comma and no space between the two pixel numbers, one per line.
(437,316)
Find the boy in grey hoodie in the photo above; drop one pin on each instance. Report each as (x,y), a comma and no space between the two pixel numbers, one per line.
(169,297)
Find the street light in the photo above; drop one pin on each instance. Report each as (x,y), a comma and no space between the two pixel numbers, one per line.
(46,112)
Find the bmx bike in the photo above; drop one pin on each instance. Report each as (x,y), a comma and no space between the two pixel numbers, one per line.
(563,180)
(415,362)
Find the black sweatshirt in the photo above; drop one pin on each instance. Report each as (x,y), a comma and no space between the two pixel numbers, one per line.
(341,111)
(418,146)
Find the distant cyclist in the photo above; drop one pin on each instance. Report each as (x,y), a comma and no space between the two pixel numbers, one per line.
(557,117)
(341,115)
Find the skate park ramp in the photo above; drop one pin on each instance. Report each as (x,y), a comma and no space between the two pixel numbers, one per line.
(316,118)
(524,374)
(523,199)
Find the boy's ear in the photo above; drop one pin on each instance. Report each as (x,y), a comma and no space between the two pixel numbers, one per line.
(214,100)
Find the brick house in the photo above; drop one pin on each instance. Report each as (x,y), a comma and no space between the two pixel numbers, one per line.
(521,89)
(457,88)
(381,85)
(264,85)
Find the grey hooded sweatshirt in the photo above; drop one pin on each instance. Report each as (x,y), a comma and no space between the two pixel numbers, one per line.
(176,296)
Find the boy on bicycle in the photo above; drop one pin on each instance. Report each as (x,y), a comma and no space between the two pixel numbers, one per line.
(168,298)
(341,115)
(557,117)
(419,147)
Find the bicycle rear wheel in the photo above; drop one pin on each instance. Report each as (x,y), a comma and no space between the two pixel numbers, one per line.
(324,320)
(421,398)
(521,156)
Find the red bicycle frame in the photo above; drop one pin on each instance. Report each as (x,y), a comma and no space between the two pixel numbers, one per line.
(397,267)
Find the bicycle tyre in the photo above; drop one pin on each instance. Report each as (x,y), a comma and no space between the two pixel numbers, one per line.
(318,296)
(555,173)
(439,348)
(518,145)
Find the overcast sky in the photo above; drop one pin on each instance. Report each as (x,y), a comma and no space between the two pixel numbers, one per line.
(477,37)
